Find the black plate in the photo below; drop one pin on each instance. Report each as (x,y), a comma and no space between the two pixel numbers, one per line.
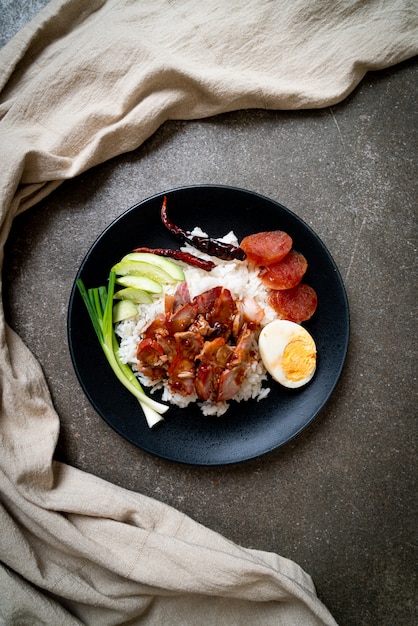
(248,429)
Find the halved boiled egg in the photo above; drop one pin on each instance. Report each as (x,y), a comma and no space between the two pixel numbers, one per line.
(288,352)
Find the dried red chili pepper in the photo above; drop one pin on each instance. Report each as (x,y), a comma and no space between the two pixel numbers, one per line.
(213,247)
(203,264)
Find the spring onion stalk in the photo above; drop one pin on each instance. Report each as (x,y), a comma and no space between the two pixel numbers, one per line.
(99,304)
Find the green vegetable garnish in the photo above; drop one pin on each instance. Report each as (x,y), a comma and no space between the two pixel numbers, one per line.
(123,310)
(99,304)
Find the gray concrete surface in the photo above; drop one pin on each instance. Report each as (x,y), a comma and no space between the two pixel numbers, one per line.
(341,498)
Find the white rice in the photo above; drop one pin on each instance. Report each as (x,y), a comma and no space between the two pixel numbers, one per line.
(242,280)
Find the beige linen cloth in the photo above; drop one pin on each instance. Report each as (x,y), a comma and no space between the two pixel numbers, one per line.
(83,82)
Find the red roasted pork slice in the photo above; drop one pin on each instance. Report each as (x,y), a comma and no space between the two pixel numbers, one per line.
(252,312)
(157,327)
(174,302)
(159,331)
(200,326)
(212,361)
(150,355)
(222,316)
(233,375)
(182,296)
(181,373)
(204,381)
(285,274)
(247,311)
(205,301)
(218,308)
(266,247)
(183,317)
(189,344)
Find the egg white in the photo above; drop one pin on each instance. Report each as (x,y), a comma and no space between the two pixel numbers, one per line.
(288,352)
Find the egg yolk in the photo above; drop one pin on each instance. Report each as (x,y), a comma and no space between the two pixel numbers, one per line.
(299,359)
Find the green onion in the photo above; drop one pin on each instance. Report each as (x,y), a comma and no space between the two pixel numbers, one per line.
(99,304)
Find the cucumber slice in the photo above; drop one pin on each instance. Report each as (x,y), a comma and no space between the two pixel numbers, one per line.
(136,295)
(138,268)
(140,282)
(165,264)
(123,310)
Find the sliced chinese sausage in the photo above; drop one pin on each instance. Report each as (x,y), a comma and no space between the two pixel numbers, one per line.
(266,247)
(297,304)
(285,274)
